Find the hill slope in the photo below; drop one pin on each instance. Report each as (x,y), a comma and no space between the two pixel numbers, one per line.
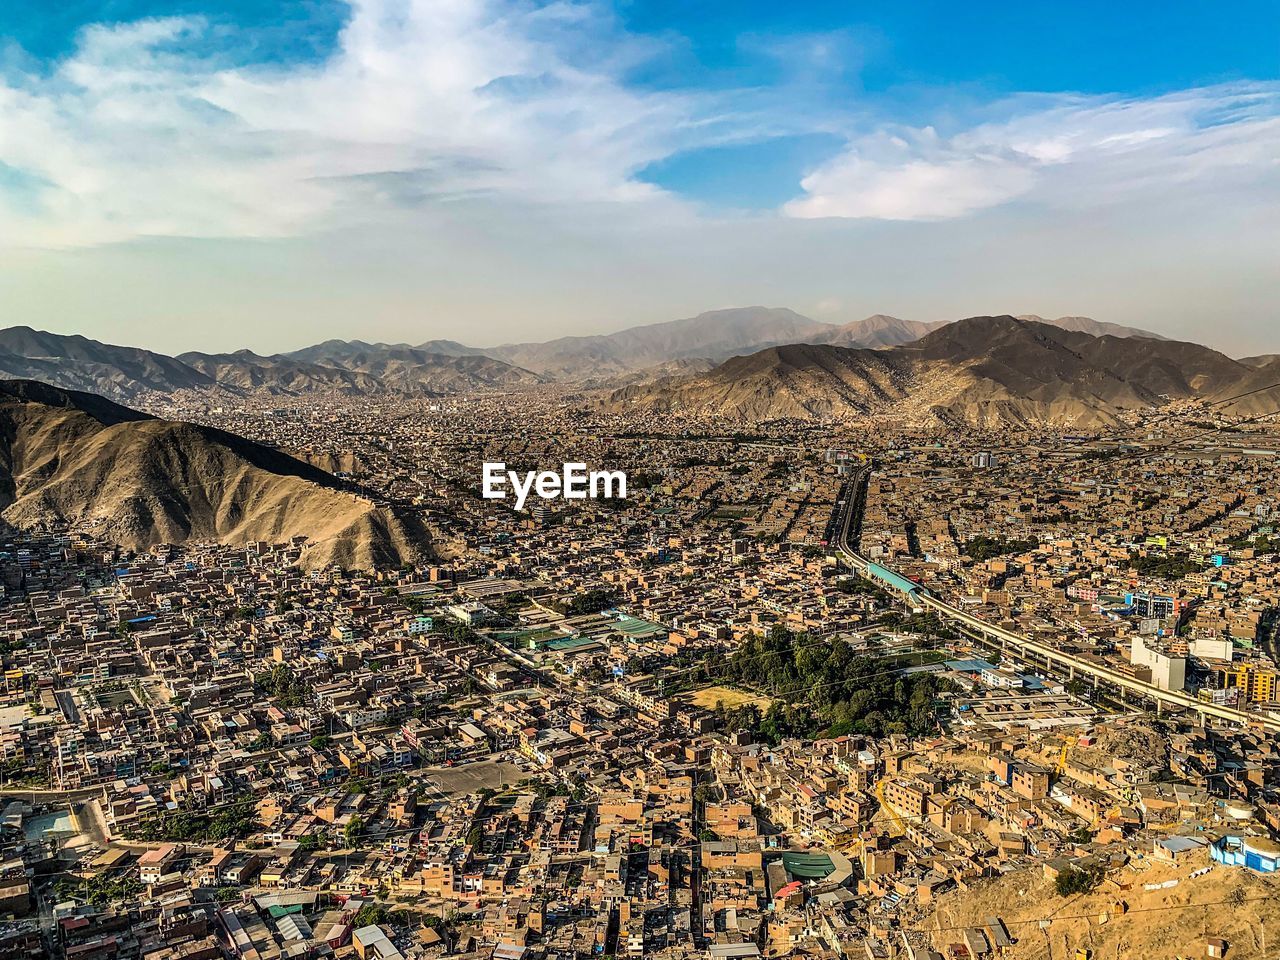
(248,372)
(79,363)
(1261,360)
(981,371)
(413,370)
(353,367)
(1095,328)
(358,368)
(716,334)
(877,331)
(76,459)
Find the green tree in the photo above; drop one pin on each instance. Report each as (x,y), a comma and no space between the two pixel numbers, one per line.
(352,831)
(1072,880)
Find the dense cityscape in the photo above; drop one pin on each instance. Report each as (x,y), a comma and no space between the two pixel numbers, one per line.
(635,480)
(681,724)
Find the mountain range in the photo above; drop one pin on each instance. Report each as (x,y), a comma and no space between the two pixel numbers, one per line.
(355,367)
(366,369)
(69,457)
(75,459)
(981,371)
(1095,328)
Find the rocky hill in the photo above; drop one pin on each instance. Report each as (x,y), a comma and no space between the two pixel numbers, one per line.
(980,371)
(80,460)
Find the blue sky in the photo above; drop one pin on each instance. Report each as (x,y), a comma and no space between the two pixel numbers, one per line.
(538,169)
(1089,45)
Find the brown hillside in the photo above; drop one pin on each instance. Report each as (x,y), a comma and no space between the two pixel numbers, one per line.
(76,459)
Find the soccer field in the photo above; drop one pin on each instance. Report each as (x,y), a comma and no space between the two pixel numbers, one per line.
(708,697)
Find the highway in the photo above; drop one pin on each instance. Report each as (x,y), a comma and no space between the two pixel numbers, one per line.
(848,535)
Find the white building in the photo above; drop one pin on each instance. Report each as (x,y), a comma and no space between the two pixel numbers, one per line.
(1167,672)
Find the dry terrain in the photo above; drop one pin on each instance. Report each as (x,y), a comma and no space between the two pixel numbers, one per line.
(1153,925)
(982,371)
(708,697)
(73,459)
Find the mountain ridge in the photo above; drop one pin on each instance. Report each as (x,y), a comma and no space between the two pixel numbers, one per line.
(79,460)
(635,355)
(980,370)
(1096,328)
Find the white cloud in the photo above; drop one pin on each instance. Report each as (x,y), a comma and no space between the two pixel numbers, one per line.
(139,134)
(147,129)
(1063,151)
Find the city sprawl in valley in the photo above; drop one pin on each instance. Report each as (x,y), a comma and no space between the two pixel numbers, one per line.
(902,641)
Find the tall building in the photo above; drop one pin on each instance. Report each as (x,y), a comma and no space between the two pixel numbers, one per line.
(1257,683)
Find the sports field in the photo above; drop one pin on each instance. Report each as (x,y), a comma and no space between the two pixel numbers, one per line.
(708,697)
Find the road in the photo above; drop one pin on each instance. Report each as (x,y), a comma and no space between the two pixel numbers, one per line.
(846,542)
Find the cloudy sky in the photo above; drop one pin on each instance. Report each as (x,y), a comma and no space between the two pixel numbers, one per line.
(214,174)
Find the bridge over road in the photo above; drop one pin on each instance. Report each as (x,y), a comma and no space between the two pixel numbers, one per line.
(1071,664)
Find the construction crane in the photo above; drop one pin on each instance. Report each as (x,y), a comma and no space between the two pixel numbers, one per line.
(1067,746)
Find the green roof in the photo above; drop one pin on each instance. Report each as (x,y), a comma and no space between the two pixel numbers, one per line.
(635,627)
(570,643)
(808,866)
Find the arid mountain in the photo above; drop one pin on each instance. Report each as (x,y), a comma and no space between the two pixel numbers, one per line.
(358,368)
(1095,328)
(450,348)
(246,371)
(411,370)
(79,363)
(1255,394)
(716,335)
(1260,361)
(352,367)
(981,371)
(336,353)
(876,332)
(77,459)
(686,366)
(799,380)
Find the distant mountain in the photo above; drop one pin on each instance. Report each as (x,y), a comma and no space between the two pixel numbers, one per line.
(800,380)
(716,335)
(246,371)
(1255,393)
(450,348)
(1095,328)
(414,370)
(630,357)
(79,363)
(660,371)
(981,371)
(720,334)
(71,458)
(352,367)
(358,368)
(876,332)
(1261,360)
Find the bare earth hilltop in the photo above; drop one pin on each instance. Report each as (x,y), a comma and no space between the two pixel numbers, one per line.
(981,371)
(75,459)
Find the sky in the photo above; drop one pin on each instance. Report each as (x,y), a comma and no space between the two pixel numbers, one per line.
(219,174)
